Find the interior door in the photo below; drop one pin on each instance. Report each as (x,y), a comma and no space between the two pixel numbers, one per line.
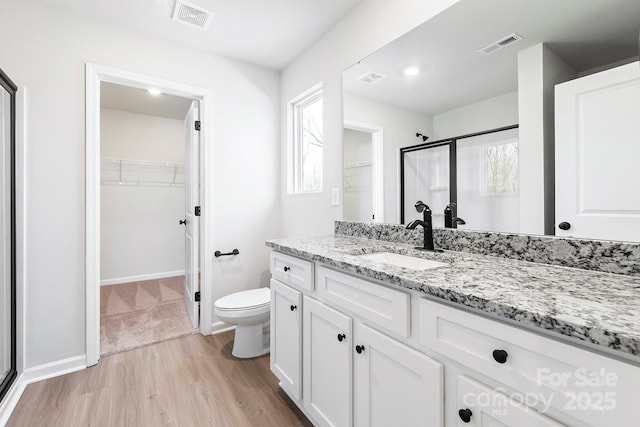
(597,150)
(192,226)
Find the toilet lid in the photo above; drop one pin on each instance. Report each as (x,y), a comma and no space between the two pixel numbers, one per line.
(245,299)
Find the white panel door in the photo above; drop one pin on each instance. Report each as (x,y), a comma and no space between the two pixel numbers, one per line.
(286,344)
(395,385)
(192,229)
(597,155)
(327,370)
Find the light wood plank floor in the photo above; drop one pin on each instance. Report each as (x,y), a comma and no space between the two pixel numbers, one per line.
(189,381)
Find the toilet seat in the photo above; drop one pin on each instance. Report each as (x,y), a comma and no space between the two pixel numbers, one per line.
(245,300)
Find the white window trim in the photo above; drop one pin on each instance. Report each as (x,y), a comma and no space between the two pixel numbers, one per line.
(294,136)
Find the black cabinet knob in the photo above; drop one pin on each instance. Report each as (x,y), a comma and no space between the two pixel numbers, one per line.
(293,307)
(359,349)
(183,222)
(286,268)
(564,225)
(465,415)
(500,356)
(341,337)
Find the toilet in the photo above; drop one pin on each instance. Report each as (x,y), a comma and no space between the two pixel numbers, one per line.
(249,311)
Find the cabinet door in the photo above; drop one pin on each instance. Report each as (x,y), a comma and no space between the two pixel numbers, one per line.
(327,364)
(480,406)
(286,349)
(596,155)
(395,385)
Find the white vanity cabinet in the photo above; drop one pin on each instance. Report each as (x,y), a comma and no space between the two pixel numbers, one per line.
(290,276)
(327,356)
(575,386)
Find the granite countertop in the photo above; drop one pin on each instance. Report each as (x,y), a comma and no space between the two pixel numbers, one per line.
(600,308)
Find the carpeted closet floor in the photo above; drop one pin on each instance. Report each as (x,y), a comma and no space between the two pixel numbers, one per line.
(140,313)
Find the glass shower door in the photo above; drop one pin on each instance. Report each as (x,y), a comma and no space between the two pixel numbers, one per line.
(426,178)
(7,236)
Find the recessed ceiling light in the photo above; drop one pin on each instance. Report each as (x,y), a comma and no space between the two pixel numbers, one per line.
(411,71)
(154,92)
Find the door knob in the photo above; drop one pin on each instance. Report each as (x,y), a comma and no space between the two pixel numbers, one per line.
(564,225)
(500,356)
(465,415)
(183,222)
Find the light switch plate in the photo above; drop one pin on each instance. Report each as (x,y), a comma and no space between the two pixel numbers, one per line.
(335,197)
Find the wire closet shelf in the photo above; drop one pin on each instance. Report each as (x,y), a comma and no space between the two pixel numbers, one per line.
(149,173)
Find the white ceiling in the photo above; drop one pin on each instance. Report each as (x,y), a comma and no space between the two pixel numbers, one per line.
(134,100)
(586,34)
(270,33)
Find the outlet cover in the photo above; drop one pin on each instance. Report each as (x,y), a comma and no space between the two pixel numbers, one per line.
(335,196)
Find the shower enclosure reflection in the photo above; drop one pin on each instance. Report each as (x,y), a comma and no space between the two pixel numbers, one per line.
(7,236)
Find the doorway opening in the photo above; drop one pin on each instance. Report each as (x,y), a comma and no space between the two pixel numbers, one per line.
(145,241)
(363,180)
(135,175)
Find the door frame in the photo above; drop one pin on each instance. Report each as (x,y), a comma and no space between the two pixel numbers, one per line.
(94,74)
(377,166)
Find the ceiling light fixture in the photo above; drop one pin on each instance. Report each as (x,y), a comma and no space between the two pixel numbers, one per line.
(154,92)
(411,71)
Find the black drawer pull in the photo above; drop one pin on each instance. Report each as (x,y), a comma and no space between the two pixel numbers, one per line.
(500,356)
(341,337)
(286,268)
(293,307)
(359,349)
(465,415)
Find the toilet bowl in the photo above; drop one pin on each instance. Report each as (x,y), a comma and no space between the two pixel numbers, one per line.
(249,311)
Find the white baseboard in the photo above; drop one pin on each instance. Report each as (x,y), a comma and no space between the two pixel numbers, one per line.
(35,374)
(54,369)
(11,399)
(119,280)
(219,327)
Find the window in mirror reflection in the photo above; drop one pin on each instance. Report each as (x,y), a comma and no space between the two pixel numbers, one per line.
(307,141)
(488,182)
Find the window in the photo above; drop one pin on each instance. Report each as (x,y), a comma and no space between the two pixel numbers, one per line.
(500,168)
(307,141)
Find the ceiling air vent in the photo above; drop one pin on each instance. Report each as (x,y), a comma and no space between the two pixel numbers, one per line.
(191,14)
(371,77)
(503,42)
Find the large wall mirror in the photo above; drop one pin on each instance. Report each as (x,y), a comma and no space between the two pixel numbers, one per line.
(7,235)
(462,117)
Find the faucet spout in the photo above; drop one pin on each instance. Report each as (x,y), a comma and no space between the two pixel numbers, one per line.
(424,223)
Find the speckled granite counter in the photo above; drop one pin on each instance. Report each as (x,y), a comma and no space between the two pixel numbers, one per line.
(600,308)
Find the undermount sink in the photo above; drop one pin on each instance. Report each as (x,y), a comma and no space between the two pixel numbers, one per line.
(404,261)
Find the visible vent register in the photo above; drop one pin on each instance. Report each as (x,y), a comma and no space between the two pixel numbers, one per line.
(191,14)
(503,42)
(371,77)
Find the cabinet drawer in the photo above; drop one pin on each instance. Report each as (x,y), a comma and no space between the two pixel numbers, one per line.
(587,386)
(379,305)
(292,271)
(481,406)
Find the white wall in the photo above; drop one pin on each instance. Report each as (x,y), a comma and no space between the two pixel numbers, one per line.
(368,27)
(47,52)
(499,111)
(139,229)
(539,70)
(399,130)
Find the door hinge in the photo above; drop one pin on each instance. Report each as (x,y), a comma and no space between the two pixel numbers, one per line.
(197,125)
(197,211)
(197,297)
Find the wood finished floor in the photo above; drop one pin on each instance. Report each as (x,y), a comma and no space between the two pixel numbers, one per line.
(189,381)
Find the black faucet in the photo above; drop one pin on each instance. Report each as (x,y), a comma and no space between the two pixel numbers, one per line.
(450,218)
(426,223)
